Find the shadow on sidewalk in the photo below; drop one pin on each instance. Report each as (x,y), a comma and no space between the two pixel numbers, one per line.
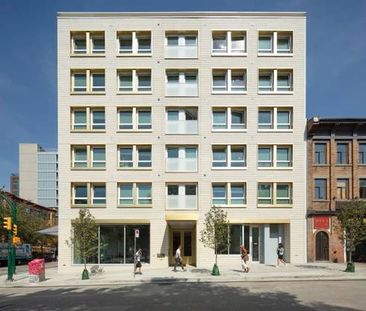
(155,297)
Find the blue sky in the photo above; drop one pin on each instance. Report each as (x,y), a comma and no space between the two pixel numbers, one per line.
(336,60)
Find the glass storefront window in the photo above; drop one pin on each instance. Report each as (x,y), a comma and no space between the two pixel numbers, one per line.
(112,244)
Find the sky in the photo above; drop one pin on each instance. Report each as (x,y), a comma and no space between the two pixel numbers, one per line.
(336,60)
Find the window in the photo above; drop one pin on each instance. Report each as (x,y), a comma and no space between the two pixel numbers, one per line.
(362,188)
(90,194)
(265,158)
(87,43)
(135,156)
(181,45)
(362,153)
(87,119)
(274,43)
(181,196)
(134,42)
(135,194)
(229,80)
(228,42)
(342,188)
(320,153)
(88,81)
(134,119)
(320,189)
(273,118)
(228,194)
(134,81)
(181,120)
(87,156)
(181,83)
(228,156)
(275,81)
(283,156)
(276,194)
(342,153)
(181,159)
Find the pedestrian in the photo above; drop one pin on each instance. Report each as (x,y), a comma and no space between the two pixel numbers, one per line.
(244,258)
(138,261)
(178,259)
(280,254)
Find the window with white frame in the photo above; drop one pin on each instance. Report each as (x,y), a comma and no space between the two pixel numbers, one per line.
(134,81)
(134,119)
(229,118)
(134,156)
(87,119)
(274,43)
(229,81)
(277,194)
(181,158)
(229,194)
(274,156)
(181,44)
(181,196)
(134,43)
(228,42)
(87,43)
(88,194)
(134,194)
(228,156)
(88,81)
(275,118)
(275,81)
(181,83)
(86,156)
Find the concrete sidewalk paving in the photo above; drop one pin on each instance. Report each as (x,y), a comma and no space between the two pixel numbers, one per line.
(258,273)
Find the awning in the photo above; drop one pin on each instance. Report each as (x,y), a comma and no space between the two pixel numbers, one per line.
(182,216)
(49,231)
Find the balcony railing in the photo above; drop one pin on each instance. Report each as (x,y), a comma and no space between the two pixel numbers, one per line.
(182,202)
(181,165)
(180,51)
(182,127)
(181,89)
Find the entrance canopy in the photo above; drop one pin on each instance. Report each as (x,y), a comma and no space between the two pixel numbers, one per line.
(49,231)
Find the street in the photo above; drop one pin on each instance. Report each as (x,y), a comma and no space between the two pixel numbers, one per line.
(300,296)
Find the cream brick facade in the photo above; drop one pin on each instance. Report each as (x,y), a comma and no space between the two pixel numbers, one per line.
(292,219)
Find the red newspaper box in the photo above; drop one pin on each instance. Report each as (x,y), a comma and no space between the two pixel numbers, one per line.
(37,270)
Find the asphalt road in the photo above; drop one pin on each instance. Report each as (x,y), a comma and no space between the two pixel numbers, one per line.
(299,296)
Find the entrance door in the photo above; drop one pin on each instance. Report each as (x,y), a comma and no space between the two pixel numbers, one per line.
(254,243)
(322,246)
(185,238)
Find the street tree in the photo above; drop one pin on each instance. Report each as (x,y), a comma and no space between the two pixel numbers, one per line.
(84,238)
(352,224)
(215,232)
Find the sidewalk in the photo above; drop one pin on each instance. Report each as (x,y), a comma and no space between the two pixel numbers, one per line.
(258,273)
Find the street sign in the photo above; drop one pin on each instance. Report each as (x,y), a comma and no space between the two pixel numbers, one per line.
(137,233)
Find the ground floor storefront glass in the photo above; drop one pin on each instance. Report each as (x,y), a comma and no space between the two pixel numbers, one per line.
(115,245)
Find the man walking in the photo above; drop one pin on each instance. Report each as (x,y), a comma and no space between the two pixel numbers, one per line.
(178,259)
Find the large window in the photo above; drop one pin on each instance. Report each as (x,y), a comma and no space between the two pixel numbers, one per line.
(86,156)
(231,118)
(228,42)
(229,194)
(320,189)
(115,245)
(274,118)
(134,119)
(275,81)
(87,43)
(237,235)
(134,81)
(181,45)
(342,153)
(342,188)
(276,194)
(275,156)
(229,81)
(135,195)
(135,156)
(134,43)
(181,159)
(89,194)
(320,153)
(87,119)
(228,156)
(87,81)
(274,42)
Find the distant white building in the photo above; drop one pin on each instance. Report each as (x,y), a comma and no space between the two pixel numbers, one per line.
(38,175)
(162,115)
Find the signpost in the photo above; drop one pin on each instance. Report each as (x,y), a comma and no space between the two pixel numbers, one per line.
(136,235)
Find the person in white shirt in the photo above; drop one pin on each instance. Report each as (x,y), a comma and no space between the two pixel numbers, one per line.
(138,261)
(178,259)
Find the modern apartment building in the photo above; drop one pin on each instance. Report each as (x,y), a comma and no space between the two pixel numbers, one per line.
(336,174)
(38,175)
(14,184)
(163,115)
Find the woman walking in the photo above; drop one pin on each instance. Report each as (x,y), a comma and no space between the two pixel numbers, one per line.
(280,254)
(244,258)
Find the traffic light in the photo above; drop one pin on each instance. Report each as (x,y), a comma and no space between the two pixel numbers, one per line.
(7,223)
(16,240)
(15,230)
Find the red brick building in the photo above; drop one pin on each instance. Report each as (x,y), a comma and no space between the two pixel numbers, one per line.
(336,162)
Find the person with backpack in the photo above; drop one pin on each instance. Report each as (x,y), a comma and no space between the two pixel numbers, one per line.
(280,254)
(244,258)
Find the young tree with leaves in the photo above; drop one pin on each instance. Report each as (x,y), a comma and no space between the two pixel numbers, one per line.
(215,232)
(85,237)
(352,223)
